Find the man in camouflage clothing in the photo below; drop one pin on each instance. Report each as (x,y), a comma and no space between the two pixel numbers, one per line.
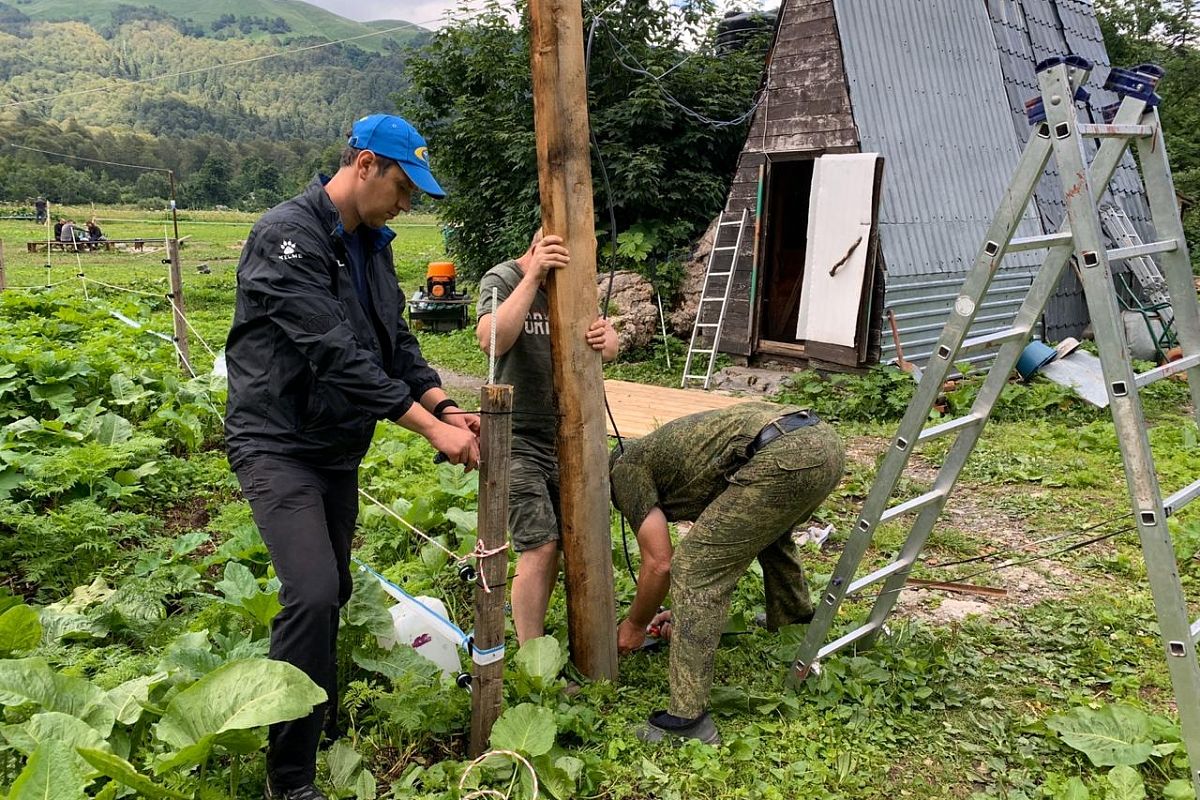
(747,475)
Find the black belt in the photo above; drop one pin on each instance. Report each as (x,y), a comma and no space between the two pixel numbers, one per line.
(778,427)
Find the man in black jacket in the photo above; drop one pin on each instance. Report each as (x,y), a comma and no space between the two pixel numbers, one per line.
(318,353)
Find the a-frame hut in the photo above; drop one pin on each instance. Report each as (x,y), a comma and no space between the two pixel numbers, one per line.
(937,90)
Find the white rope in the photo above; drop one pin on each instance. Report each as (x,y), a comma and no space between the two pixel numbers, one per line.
(413,528)
(191,327)
(122,288)
(496,793)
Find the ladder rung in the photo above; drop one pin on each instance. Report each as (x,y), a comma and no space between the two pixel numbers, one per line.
(1196,631)
(731,222)
(695,377)
(712,299)
(720,274)
(1147,249)
(698,350)
(1115,131)
(948,427)
(1177,501)
(847,640)
(1167,370)
(878,575)
(725,249)
(707,324)
(1038,242)
(991,339)
(931,496)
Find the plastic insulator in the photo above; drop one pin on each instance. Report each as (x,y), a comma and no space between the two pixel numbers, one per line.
(1049,63)
(463,681)
(1078,62)
(467,573)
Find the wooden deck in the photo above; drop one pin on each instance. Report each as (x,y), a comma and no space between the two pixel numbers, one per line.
(639,408)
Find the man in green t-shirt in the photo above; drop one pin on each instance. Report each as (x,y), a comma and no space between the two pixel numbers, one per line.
(747,475)
(523,360)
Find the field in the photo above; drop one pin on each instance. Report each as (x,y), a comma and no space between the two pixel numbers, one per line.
(136,593)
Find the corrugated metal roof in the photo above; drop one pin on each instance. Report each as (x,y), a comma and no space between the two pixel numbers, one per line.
(927,92)
(1026,32)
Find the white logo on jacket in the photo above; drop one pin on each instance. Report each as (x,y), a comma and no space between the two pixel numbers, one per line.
(289,250)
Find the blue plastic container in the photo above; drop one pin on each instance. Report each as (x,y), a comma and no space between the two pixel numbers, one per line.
(1036,355)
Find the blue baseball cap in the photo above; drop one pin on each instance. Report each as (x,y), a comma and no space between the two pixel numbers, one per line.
(393,137)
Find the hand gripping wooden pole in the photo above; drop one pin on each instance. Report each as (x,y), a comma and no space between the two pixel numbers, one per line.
(565,180)
(487,680)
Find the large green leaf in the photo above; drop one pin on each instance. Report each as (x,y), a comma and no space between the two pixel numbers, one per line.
(20,629)
(528,729)
(31,680)
(368,607)
(50,774)
(123,772)
(1178,789)
(1113,735)
(240,694)
(129,698)
(54,726)
(1076,790)
(344,763)
(541,659)
(1124,783)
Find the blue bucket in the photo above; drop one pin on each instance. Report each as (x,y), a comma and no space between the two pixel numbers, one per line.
(1036,355)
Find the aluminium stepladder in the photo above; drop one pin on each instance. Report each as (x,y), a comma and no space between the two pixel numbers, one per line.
(1058,132)
(714,299)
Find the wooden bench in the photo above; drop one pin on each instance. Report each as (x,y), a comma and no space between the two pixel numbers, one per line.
(83,247)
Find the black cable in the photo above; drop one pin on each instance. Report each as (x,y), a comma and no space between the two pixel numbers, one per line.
(1013,552)
(612,270)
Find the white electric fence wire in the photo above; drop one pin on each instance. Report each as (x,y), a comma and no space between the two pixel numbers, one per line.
(496,793)
(125,289)
(190,326)
(410,526)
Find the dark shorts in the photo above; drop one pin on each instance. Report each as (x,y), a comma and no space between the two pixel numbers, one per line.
(532,502)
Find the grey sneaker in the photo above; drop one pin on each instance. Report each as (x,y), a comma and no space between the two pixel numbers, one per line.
(665,727)
(306,792)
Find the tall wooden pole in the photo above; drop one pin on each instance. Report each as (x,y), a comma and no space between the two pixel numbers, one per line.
(487,680)
(3,274)
(565,179)
(176,298)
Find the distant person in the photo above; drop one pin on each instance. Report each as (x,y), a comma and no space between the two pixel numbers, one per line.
(318,353)
(523,360)
(67,232)
(94,233)
(58,226)
(39,210)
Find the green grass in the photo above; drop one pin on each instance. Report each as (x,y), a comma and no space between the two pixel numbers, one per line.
(941,708)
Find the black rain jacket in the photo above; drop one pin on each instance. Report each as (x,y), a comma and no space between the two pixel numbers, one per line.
(309,372)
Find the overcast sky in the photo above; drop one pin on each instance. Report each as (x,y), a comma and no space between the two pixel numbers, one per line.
(428,13)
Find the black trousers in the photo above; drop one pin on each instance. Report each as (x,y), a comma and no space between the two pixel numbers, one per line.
(306,515)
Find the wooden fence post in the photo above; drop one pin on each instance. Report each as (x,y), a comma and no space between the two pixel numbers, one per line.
(565,180)
(3,274)
(176,298)
(487,682)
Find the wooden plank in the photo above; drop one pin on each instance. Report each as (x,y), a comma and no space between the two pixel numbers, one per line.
(560,107)
(640,409)
(495,447)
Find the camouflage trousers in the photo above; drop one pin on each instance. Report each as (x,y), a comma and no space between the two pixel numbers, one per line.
(781,486)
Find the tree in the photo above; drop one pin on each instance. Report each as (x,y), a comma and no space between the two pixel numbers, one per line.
(1167,33)
(654,97)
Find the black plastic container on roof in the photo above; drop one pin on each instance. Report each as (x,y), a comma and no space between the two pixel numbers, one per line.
(739,27)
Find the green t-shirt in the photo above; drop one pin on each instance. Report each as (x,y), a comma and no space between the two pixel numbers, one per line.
(526,365)
(682,466)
